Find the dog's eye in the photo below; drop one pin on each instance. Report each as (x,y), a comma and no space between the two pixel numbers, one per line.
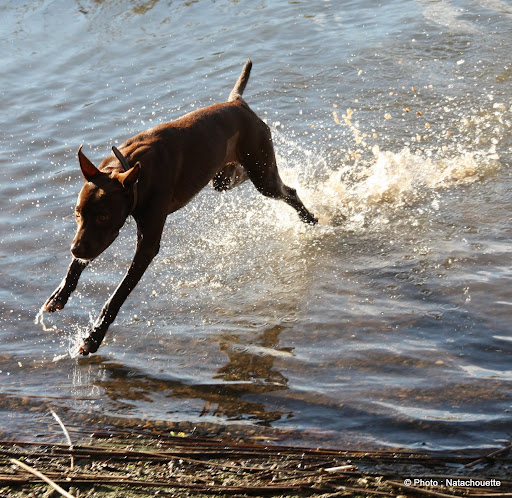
(77,215)
(102,218)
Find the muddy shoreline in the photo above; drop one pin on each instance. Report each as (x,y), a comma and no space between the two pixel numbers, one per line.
(136,459)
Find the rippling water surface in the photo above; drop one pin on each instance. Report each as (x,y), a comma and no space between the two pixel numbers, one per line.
(387,324)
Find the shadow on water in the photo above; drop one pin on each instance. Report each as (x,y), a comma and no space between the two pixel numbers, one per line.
(254,362)
(245,374)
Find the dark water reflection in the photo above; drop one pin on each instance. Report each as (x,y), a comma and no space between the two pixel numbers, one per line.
(244,375)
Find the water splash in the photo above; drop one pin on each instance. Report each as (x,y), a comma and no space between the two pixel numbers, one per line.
(39,320)
(367,184)
(74,335)
(393,181)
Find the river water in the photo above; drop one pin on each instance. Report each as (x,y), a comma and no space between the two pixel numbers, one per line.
(388,324)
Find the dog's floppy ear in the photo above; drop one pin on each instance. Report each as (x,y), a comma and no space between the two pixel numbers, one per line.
(130,177)
(88,169)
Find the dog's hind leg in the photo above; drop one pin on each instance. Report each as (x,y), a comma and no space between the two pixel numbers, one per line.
(261,167)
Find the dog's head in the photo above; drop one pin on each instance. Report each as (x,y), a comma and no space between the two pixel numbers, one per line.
(104,203)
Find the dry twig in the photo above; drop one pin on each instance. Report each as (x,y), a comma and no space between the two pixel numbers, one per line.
(66,433)
(46,479)
(490,456)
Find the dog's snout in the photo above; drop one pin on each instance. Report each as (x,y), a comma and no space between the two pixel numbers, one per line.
(75,249)
(79,249)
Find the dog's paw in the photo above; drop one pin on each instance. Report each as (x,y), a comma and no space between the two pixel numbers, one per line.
(308,218)
(90,345)
(53,304)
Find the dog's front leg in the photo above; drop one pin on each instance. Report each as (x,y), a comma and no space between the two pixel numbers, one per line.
(61,294)
(148,245)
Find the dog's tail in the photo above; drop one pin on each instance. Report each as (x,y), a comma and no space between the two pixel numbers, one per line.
(240,85)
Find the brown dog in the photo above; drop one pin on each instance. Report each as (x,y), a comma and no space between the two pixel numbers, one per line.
(156,173)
